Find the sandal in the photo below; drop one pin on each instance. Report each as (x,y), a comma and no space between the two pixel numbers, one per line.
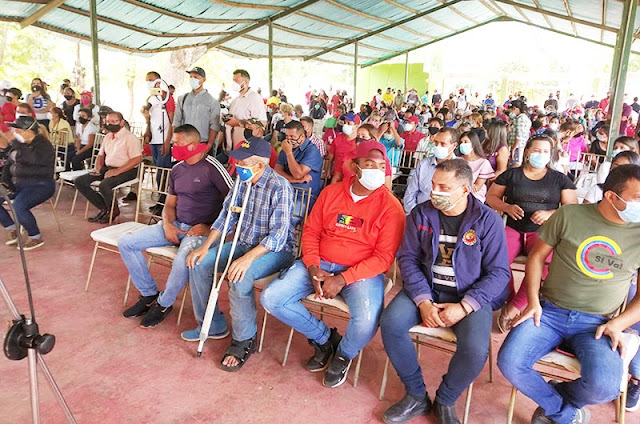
(504,323)
(241,351)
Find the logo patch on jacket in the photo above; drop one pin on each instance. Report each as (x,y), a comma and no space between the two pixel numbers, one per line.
(348,222)
(470,238)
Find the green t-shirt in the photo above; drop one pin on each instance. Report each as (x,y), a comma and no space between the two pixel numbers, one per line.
(593,261)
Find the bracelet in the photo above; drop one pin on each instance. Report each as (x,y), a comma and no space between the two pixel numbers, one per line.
(466,313)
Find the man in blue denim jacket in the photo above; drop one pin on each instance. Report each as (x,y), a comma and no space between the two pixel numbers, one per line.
(454,265)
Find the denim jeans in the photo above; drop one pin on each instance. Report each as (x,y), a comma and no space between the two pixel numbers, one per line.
(160,160)
(634,366)
(131,246)
(471,354)
(241,296)
(365,298)
(26,197)
(601,367)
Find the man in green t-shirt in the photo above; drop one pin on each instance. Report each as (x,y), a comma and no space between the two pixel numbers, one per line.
(596,251)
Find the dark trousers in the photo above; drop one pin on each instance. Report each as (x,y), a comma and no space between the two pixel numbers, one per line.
(77,159)
(26,197)
(104,196)
(71,152)
(472,351)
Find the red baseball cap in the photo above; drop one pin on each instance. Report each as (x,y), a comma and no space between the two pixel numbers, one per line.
(364,149)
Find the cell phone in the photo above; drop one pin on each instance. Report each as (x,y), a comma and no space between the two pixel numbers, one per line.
(155,91)
(226,117)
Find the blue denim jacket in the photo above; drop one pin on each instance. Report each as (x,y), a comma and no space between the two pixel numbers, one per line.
(480,260)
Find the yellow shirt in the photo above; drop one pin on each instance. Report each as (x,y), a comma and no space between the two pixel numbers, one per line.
(387,98)
(57,132)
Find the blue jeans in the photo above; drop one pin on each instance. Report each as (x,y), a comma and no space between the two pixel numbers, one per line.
(26,197)
(131,246)
(241,297)
(471,354)
(365,298)
(160,160)
(601,367)
(634,366)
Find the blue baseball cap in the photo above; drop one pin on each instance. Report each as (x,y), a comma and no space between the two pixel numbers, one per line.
(255,146)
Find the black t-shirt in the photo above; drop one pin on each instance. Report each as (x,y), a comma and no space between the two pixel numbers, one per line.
(597,149)
(444,280)
(279,128)
(68,112)
(541,195)
(4,155)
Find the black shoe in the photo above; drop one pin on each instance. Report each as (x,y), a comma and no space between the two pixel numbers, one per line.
(336,373)
(141,307)
(99,216)
(107,216)
(131,196)
(445,414)
(407,408)
(320,359)
(156,209)
(155,315)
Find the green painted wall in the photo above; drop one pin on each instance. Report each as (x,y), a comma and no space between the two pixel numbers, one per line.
(389,75)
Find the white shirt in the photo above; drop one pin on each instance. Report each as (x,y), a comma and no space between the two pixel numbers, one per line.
(84,131)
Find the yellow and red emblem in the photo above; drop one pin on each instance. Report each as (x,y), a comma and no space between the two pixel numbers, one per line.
(470,238)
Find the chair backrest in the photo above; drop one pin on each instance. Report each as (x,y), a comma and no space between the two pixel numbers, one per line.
(137,129)
(153,187)
(301,202)
(589,164)
(403,162)
(60,142)
(97,143)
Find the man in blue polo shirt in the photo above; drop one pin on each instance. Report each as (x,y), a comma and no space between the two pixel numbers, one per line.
(300,163)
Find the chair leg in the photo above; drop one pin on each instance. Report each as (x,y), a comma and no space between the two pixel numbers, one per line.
(467,404)
(93,261)
(264,326)
(357,373)
(621,410)
(126,291)
(113,202)
(73,204)
(512,404)
(385,375)
(55,205)
(55,214)
(286,352)
(490,360)
(86,211)
(184,298)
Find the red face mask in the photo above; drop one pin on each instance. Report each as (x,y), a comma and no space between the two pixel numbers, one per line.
(186,152)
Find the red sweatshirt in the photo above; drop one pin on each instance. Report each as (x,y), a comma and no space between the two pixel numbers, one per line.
(364,236)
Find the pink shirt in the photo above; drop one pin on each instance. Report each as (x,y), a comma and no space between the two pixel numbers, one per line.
(119,148)
(481,168)
(575,147)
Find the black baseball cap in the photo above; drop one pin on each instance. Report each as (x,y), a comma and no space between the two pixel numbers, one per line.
(15,91)
(198,70)
(25,123)
(104,110)
(255,147)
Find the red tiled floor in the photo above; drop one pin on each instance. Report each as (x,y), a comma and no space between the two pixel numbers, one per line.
(112,371)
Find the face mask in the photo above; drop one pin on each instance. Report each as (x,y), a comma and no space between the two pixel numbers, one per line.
(235,87)
(539,160)
(575,116)
(616,152)
(466,148)
(9,99)
(360,140)
(68,96)
(442,200)
(388,136)
(601,137)
(347,129)
(194,83)
(248,133)
(512,115)
(408,127)
(36,88)
(403,110)
(246,173)
(554,126)
(114,128)
(83,120)
(371,179)
(441,152)
(150,84)
(433,130)
(18,137)
(85,101)
(183,152)
(631,213)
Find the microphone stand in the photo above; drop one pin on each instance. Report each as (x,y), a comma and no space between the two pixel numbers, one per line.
(23,340)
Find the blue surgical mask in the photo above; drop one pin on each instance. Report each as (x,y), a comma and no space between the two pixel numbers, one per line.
(616,152)
(317,106)
(466,148)
(246,173)
(539,160)
(441,152)
(194,83)
(512,115)
(631,213)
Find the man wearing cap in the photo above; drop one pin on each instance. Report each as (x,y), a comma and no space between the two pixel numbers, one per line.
(253,128)
(348,244)
(246,105)
(454,264)
(117,162)
(28,176)
(265,246)
(199,108)
(300,163)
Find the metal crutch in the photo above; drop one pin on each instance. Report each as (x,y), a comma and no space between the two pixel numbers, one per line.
(218,279)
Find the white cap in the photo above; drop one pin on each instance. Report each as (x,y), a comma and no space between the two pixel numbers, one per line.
(5,85)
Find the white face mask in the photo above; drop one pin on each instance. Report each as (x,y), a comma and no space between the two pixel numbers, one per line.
(235,87)
(347,129)
(466,148)
(554,126)
(601,137)
(150,84)
(371,179)
(194,83)
(408,127)
(18,137)
(387,136)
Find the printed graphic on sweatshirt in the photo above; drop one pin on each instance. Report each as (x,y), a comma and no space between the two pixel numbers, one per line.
(349,222)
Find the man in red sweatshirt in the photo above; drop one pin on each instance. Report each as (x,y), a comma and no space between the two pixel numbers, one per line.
(348,243)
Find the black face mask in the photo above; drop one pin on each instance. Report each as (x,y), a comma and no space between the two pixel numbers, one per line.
(248,133)
(338,128)
(36,88)
(360,140)
(9,99)
(114,128)
(83,120)
(68,97)
(433,130)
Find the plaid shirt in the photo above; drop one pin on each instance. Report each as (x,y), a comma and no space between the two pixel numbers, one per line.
(267,220)
(520,130)
(319,143)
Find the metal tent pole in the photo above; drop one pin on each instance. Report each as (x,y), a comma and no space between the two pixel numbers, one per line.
(94,51)
(270,57)
(355,71)
(406,72)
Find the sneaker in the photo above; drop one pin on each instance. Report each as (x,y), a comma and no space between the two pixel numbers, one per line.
(12,239)
(141,307)
(633,396)
(336,373)
(155,315)
(583,416)
(445,414)
(540,418)
(194,335)
(31,244)
(407,408)
(320,359)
